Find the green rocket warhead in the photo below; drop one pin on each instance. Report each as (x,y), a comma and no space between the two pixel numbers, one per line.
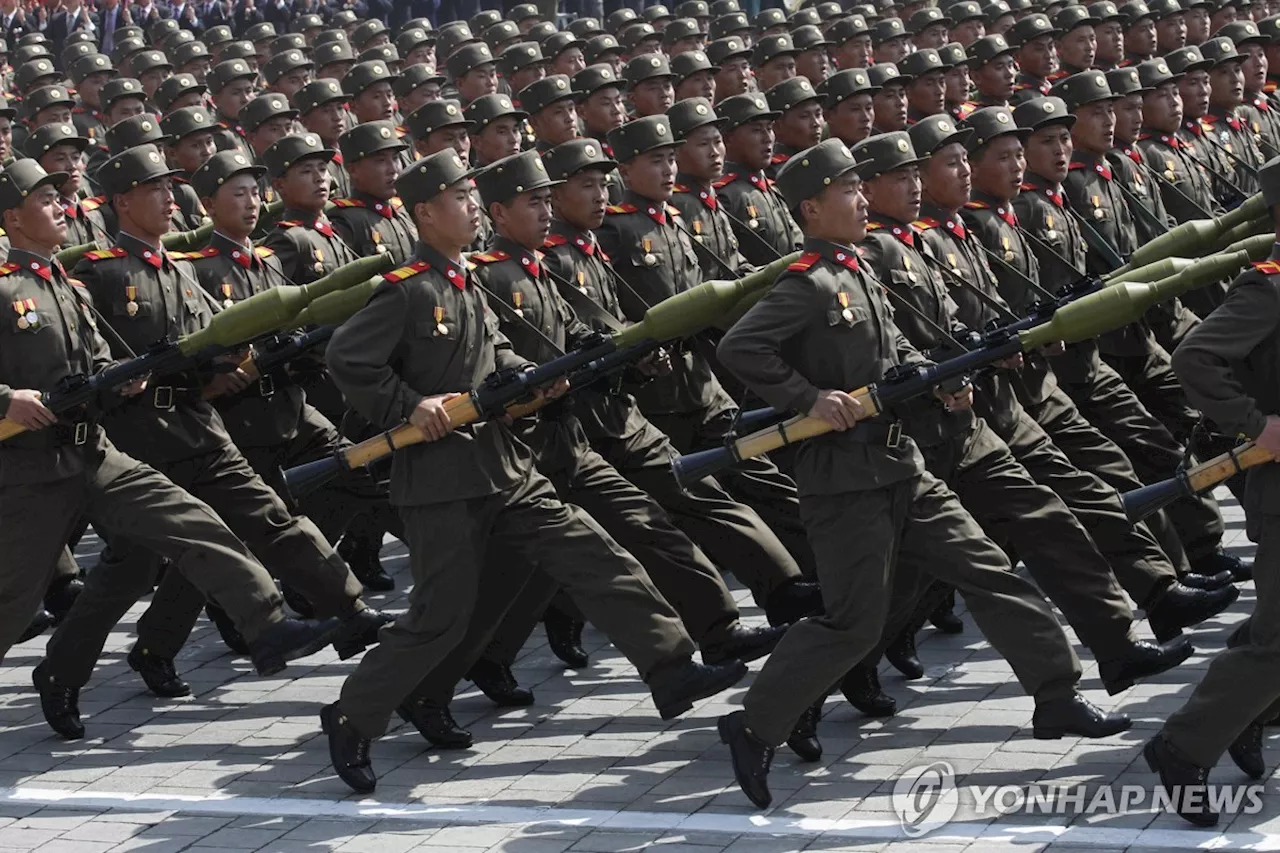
(71,255)
(189,241)
(1258,246)
(1151,272)
(1196,236)
(757,284)
(334,309)
(1243,231)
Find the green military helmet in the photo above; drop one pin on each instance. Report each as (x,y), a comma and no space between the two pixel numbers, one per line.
(809,37)
(829,10)
(416,24)
(48,136)
(32,51)
(293,149)
(804,17)
(136,130)
(433,116)
(1244,32)
(541,94)
(641,136)
(685,65)
(81,36)
(220,168)
(969,10)
(690,114)
(1042,112)
(317,93)
(177,38)
(791,93)
(452,39)
(284,63)
(1070,17)
(1126,81)
(1133,12)
(47,96)
(133,167)
(23,177)
(585,27)
(413,77)
(367,32)
(1270,29)
(120,87)
(722,50)
(130,32)
(812,170)
(369,138)
(771,47)
(264,108)
(264,31)
(680,29)
(430,176)
(593,78)
(845,84)
(732,24)
(600,46)
(1184,60)
(469,57)
(952,54)
(1156,72)
(887,74)
(365,74)
(649,66)
(1161,9)
(344,18)
(694,9)
(72,52)
(94,63)
(487,109)
(741,109)
(509,177)
(380,53)
(517,57)
(989,123)
(37,71)
(1087,87)
(569,158)
(724,7)
(239,50)
(227,71)
(175,87)
(934,132)
(884,153)
(149,60)
(306,23)
(185,122)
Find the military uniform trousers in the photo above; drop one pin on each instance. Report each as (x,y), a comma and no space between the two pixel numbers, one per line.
(1114,408)
(291,548)
(1240,685)
(123,498)
(859,539)
(450,544)
(678,568)
(163,628)
(730,533)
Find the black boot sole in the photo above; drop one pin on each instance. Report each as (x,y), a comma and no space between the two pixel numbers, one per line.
(360,786)
(685,704)
(276,662)
(1059,732)
(723,728)
(1153,764)
(1114,687)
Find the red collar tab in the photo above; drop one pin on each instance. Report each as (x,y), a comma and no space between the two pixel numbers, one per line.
(848,260)
(657,213)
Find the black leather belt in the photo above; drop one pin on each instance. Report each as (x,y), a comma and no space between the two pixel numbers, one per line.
(888,433)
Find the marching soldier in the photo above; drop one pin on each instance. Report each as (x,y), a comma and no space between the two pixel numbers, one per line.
(1224,125)
(231,87)
(848,107)
(764,228)
(373,219)
(552,114)
(700,162)
(799,122)
(321,106)
(494,125)
(189,144)
(89,74)
(59,150)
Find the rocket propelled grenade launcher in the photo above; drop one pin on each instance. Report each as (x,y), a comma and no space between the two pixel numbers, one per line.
(1142,503)
(1197,236)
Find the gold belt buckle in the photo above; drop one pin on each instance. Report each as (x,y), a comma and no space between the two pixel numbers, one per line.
(82,433)
(895,434)
(266,386)
(164,397)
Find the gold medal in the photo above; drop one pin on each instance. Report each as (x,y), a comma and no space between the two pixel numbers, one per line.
(582,281)
(1168,175)
(441,328)
(23,324)
(847,313)
(517,299)
(650,260)
(1051,234)
(1008,256)
(227,290)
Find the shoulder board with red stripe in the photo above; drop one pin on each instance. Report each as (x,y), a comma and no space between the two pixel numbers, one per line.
(555,240)
(75,282)
(926,222)
(348,202)
(621,208)
(104,254)
(489,257)
(288,223)
(263,251)
(681,188)
(1267,267)
(93,203)
(725,181)
(977,205)
(9,268)
(190,256)
(672,210)
(1075,166)
(407,271)
(873,225)
(1270,86)
(779,158)
(396,201)
(805,261)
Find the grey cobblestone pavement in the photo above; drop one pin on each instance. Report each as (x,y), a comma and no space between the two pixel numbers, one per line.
(241,765)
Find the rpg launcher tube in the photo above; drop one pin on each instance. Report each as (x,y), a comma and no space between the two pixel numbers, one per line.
(1142,503)
(756,285)
(71,255)
(1197,236)
(334,309)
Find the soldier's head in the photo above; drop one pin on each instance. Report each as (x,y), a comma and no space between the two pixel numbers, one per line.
(369,86)
(1161,100)
(371,153)
(1192,71)
(228,188)
(848,106)
(49,105)
(298,166)
(1127,85)
(551,108)
(996,153)
(927,89)
(30,209)
(516,192)
(231,83)
(1089,97)
(418,85)
(1078,40)
(1252,44)
(646,154)
(1109,33)
(774,58)
(799,124)
(928,28)
(474,71)
(967,23)
(890,172)
(945,174)
(583,171)
(956,75)
(1226,77)
(891,41)
(266,119)
(650,85)
(1037,49)
(440,196)
(90,73)
(889,101)
(189,133)
(1139,28)
(993,68)
(824,193)
(496,128)
(322,107)
(58,148)
(139,186)
(1048,148)
(695,76)
(695,123)
(732,57)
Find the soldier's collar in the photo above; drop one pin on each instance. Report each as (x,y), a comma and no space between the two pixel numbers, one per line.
(949,219)
(383,206)
(845,256)
(233,249)
(655,210)
(451,269)
(529,259)
(141,249)
(38,264)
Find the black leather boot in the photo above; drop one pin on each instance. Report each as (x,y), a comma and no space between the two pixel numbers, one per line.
(901,653)
(1075,715)
(861,686)
(742,643)
(944,618)
(676,687)
(1142,660)
(792,602)
(496,681)
(435,724)
(751,758)
(41,622)
(564,635)
(158,674)
(359,631)
(1179,777)
(61,595)
(804,737)
(60,704)
(291,639)
(1246,751)
(362,557)
(1181,607)
(348,751)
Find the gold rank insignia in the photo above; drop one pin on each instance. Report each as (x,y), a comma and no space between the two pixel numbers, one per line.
(582,281)
(319,254)
(649,258)
(753,222)
(1008,250)
(1098,213)
(1049,233)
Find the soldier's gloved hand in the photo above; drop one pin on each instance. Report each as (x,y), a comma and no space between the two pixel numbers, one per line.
(838,409)
(432,418)
(958,401)
(656,363)
(554,391)
(26,410)
(1268,440)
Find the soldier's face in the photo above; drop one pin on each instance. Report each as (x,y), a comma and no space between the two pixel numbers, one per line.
(651,97)
(376,174)
(376,103)
(1048,152)
(1194,88)
(932,36)
(734,77)
(1039,57)
(1162,109)
(751,144)
(525,76)
(148,207)
(1255,67)
(814,65)
(967,32)
(232,97)
(41,219)
(56,114)
(945,177)
(928,93)
(525,219)
(1197,21)
(890,105)
(234,207)
(581,200)
(855,53)
(292,82)
(1079,47)
(998,167)
(192,151)
(451,220)
(1140,38)
(91,86)
(556,123)
(850,120)
(326,121)
(500,138)
(424,54)
(1171,33)
(305,185)
(800,126)
(652,174)
(569,62)
(1095,127)
(775,71)
(456,138)
(6,137)
(1226,85)
(270,132)
(190,99)
(839,212)
(957,84)
(603,110)
(995,79)
(65,158)
(701,84)
(895,194)
(702,154)
(1110,37)
(893,50)
(1128,112)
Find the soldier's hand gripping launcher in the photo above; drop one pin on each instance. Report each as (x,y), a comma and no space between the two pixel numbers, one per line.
(512,391)
(264,313)
(1144,502)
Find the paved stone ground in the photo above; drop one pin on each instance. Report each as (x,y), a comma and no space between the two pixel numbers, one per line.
(241,765)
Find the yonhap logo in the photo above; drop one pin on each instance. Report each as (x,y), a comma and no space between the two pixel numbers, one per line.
(925,798)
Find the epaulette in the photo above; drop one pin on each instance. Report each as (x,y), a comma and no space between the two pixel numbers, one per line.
(93,203)
(489,257)
(263,251)
(872,225)
(288,223)
(977,205)
(779,158)
(621,208)
(924,223)
(8,268)
(555,240)
(406,272)
(75,282)
(396,201)
(104,254)
(672,210)
(725,181)
(347,202)
(1269,86)
(189,256)
(805,261)
(680,188)
(1267,267)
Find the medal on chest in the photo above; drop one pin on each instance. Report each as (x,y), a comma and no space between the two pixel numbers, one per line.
(911,274)
(1008,249)
(517,299)
(319,254)
(131,307)
(441,328)
(1098,212)
(1049,233)
(377,243)
(582,283)
(227,290)
(847,313)
(27,316)
(754,221)
(649,258)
